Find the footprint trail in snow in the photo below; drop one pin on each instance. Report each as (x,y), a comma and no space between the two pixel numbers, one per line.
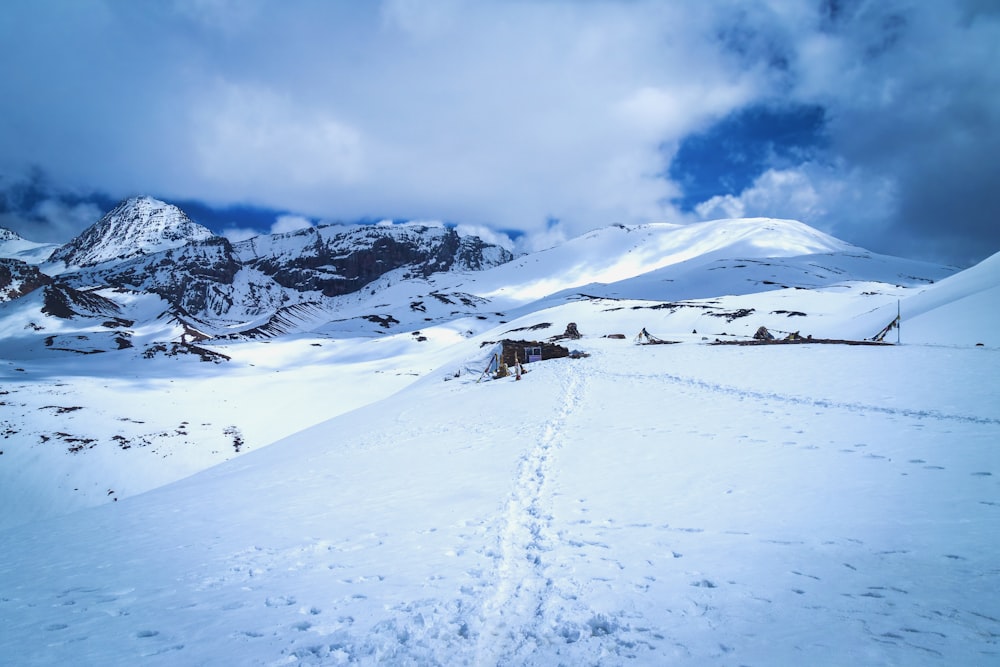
(514,617)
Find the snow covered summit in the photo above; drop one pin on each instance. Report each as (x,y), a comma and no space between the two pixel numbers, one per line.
(15,246)
(137,226)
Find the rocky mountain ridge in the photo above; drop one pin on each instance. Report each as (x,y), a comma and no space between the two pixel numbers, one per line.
(147,247)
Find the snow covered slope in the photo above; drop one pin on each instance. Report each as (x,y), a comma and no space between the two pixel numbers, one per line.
(13,246)
(960,310)
(651,505)
(656,262)
(713,258)
(18,278)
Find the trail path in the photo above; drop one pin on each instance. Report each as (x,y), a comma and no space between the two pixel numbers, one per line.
(514,619)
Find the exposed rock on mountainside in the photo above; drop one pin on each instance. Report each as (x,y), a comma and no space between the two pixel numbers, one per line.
(337,260)
(196,277)
(18,278)
(65,302)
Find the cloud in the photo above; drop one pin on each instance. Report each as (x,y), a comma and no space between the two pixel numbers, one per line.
(282,224)
(846,203)
(247,139)
(290,223)
(487,234)
(62,218)
(912,127)
(505,114)
(912,97)
(39,211)
(490,113)
(237,234)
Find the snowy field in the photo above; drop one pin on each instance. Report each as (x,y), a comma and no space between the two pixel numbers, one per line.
(679,504)
(684,504)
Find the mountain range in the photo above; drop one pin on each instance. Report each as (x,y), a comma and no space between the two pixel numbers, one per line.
(146,264)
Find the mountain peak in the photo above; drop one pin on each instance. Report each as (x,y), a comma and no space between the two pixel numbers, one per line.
(8,235)
(136,226)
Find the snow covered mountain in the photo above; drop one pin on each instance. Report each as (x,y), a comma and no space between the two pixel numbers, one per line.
(137,226)
(337,260)
(267,285)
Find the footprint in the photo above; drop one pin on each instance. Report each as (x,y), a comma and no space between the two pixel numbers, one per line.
(145,634)
(982,474)
(279,601)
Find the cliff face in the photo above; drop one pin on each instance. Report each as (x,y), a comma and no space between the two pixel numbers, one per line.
(339,260)
(18,278)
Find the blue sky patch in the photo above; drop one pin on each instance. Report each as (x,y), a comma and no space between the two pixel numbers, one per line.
(726,158)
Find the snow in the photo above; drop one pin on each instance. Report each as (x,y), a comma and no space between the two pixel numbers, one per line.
(649,504)
(680,504)
(31,252)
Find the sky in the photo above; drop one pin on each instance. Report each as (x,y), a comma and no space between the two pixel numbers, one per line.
(875,121)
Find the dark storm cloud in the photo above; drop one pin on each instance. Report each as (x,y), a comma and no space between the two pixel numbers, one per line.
(912,107)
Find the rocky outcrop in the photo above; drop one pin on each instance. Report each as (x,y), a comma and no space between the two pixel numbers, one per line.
(335,260)
(18,278)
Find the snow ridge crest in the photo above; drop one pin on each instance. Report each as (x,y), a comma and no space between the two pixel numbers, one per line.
(8,235)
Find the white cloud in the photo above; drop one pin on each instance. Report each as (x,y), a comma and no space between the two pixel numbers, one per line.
(488,113)
(290,223)
(249,139)
(487,234)
(845,202)
(500,113)
(237,234)
(64,220)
